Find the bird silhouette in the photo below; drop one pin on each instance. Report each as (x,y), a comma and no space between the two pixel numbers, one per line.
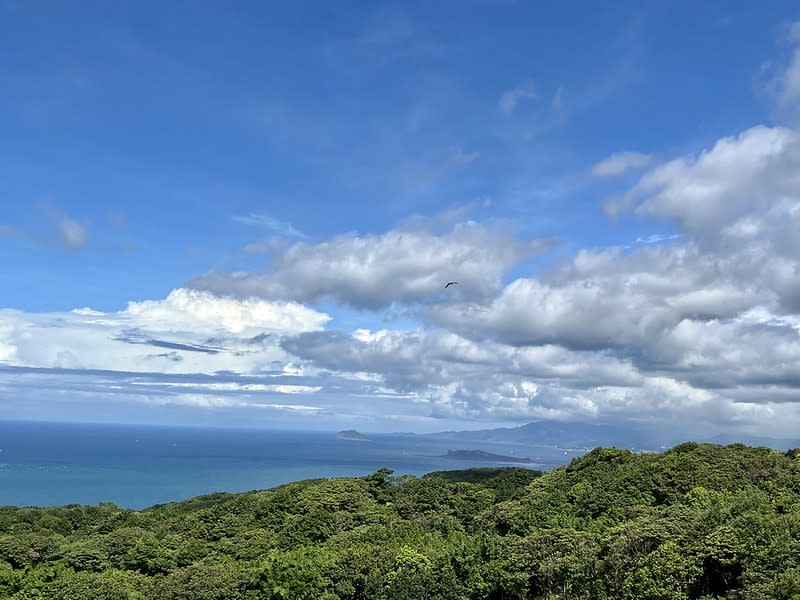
(449,283)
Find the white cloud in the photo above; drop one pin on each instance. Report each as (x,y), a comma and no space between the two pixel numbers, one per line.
(8,350)
(191,349)
(73,234)
(232,386)
(268,222)
(187,332)
(785,85)
(740,175)
(207,401)
(620,163)
(210,401)
(69,233)
(203,312)
(510,99)
(657,238)
(375,271)
(457,378)
(790,84)
(297,408)
(704,330)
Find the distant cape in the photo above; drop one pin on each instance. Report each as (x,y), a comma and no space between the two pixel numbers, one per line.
(484,456)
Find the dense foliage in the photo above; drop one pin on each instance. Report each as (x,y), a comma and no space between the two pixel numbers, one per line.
(699,521)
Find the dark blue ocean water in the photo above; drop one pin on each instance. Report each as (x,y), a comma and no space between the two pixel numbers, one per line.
(43,464)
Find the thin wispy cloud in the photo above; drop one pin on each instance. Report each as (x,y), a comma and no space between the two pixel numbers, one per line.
(266,221)
(73,235)
(621,162)
(388,30)
(557,103)
(70,233)
(266,245)
(510,99)
(656,238)
(64,231)
(7,231)
(788,83)
(779,78)
(426,174)
(463,158)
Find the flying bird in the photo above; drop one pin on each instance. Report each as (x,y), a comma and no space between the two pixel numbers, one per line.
(449,283)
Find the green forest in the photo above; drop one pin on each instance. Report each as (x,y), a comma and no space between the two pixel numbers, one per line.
(697,521)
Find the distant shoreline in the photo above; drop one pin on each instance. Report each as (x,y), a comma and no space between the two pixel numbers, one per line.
(486,456)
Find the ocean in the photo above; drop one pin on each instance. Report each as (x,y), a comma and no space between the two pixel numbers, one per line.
(45,464)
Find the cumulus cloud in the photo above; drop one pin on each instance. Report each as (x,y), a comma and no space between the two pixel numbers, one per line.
(454,377)
(705,326)
(412,360)
(190,349)
(745,174)
(702,330)
(607,300)
(188,332)
(375,271)
(620,163)
(194,310)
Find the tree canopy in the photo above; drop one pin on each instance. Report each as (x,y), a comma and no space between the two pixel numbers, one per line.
(698,521)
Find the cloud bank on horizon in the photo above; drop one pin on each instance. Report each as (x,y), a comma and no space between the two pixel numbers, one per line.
(674,302)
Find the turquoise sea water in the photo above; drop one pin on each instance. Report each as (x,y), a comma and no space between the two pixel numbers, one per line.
(43,464)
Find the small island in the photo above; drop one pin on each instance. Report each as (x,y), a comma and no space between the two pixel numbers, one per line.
(353,435)
(484,456)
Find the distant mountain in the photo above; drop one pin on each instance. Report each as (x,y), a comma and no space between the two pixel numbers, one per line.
(586,436)
(549,433)
(484,456)
(755,441)
(353,435)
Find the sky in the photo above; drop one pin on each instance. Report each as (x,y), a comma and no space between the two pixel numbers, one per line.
(245,214)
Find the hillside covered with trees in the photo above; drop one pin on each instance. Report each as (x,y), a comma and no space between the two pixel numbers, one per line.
(698,521)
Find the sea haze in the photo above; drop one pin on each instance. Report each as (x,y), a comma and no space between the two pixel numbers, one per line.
(43,464)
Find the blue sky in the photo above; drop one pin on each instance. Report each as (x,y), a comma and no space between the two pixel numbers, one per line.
(232,151)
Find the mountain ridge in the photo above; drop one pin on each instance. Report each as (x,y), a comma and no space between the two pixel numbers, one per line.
(586,436)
